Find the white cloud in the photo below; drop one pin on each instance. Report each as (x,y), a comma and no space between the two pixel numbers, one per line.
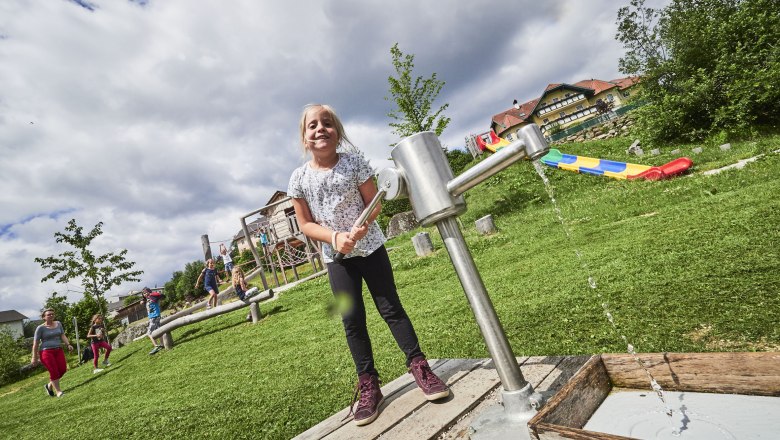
(171,119)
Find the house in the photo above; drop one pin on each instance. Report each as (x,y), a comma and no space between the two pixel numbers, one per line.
(239,239)
(562,105)
(282,224)
(13,321)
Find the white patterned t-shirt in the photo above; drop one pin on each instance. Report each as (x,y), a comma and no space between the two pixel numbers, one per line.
(334,200)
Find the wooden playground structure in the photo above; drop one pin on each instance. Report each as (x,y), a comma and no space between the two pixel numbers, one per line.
(285,246)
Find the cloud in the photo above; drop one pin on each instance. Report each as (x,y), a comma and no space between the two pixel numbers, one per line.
(167,120)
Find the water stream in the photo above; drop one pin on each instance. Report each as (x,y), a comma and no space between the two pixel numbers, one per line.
(604,305)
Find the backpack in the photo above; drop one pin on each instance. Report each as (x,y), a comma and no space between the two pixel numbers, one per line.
(86,355)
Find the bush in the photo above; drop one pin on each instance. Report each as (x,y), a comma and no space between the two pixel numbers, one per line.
(11,357)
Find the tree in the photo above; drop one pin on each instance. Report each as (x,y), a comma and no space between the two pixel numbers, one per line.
(11,356)
(707,67)
(61,307)
(414,99)
(98,273)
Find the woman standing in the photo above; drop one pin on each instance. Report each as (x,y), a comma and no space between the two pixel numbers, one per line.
(49,338)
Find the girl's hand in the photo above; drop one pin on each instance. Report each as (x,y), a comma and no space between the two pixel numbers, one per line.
(344,243)
(70,347)
(358,232)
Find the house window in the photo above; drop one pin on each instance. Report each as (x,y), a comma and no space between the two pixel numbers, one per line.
(562,114)
(566,95)
(610,98)
(546,120)
(626,94)
(555,100)
(579,107)
(542,104)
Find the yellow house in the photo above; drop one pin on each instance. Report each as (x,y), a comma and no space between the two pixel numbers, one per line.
(563,105)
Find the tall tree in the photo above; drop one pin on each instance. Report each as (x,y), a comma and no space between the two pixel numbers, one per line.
(414,98)
(707,67)
(98,273)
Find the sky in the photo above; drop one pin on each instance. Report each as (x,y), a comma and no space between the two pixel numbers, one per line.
(167,120)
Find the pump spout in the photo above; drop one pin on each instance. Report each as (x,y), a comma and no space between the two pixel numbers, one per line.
(530,144)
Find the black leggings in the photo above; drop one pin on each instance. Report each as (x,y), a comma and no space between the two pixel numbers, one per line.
(347,278)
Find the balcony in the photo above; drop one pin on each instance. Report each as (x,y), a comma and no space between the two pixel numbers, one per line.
(584,113)
(560,104)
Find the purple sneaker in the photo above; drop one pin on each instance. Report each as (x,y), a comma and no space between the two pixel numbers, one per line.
(429,383)
(371,399)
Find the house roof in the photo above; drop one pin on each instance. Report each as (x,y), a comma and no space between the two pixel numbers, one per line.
(514,116)
(596,85)
(626,82)
(252,227)
(11,316)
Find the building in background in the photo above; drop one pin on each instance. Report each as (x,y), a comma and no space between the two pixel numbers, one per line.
(13,321)
(563,105)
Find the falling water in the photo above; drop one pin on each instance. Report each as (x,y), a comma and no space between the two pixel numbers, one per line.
(604,305)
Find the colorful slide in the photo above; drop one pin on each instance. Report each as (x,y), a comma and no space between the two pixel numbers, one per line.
(495,144)
(616,170)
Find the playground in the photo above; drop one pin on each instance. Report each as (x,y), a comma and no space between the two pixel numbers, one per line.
(686,265)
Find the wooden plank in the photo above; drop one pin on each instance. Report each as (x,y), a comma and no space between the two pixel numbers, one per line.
(431,420)
(546,431)
(446,368)
(573,405)
(728,373)
(400,404)
(562,374)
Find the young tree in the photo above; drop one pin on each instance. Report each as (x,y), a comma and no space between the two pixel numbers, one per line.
(414,99)
(98,273)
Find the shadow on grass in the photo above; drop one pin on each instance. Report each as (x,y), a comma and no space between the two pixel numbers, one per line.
(95,376)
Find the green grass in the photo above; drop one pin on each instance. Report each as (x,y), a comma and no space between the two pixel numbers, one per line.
(687,264)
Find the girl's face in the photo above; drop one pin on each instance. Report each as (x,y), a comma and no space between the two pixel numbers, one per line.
(320,135)
(211,264)
(99,320)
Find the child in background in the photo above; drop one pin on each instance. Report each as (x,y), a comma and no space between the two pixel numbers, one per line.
(152,301)
(240,286)
(226,259)
(211,282)
(98,339)
(329,193)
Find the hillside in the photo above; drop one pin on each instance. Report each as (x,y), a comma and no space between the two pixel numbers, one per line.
(688,264)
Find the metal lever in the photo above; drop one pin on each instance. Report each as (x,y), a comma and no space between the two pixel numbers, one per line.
(362,219)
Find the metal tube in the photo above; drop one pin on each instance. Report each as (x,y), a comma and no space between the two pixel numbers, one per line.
(487,168)
(492,331)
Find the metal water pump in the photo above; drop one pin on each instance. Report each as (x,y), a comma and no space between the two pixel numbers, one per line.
(423,174)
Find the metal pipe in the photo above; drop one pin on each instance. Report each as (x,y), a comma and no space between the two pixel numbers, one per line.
(530,144)
(486,317)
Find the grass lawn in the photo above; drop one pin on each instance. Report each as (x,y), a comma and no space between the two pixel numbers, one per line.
(688,264)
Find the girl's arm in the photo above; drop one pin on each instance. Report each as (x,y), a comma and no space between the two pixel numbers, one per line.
(315,231)
(64,338)
(34,359)
(200,277)
(367,192)
(90,334)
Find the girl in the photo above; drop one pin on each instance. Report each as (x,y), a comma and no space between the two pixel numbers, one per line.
(226,259)
(99,339)
(329,192)
(49,337)
(210,283)
(240,286)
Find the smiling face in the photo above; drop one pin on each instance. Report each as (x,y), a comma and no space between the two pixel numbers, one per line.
(320,135)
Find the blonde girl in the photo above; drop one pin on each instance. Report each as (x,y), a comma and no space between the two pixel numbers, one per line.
(98,338)
(329,192)
(240,286)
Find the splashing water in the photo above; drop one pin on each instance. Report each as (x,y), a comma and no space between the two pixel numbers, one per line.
(604,305)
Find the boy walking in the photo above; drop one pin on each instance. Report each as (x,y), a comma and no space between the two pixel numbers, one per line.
(152,300)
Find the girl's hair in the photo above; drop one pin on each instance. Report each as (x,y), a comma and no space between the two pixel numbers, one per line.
(344,141)
(222,246)
(237,275)
(43,313)
(95,318)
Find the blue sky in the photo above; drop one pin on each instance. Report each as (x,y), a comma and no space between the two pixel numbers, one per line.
(170,119)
